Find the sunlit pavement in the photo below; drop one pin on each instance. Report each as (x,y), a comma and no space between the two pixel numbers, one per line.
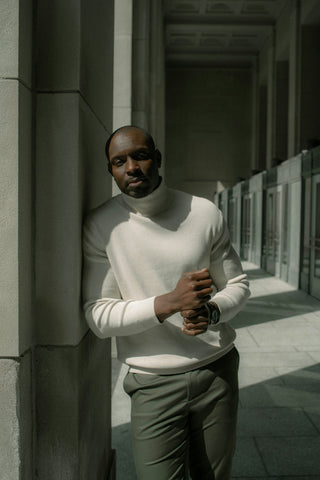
(278,337)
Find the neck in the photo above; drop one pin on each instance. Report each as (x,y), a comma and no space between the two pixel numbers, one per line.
(151,204)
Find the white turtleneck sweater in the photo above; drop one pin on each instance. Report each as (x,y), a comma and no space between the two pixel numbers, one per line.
(137,249)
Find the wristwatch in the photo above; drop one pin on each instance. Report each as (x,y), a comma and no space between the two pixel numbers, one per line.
(213,313)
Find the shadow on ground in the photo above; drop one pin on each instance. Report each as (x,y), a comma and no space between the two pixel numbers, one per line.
(278,336)
(278,430)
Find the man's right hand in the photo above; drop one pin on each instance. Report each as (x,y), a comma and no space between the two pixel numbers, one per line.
(192,292)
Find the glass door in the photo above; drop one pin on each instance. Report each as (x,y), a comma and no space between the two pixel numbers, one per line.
(306,237)
(315,239)
(245,226)
(231,219)
(273,231)
(284,232)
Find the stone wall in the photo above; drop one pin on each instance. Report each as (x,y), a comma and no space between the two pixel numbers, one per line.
(208,127)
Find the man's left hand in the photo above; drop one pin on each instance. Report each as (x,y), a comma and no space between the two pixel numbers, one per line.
(195,322)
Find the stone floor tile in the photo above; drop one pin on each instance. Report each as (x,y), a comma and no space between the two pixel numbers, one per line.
(267,349)
(312,319)
(274,422)
(244,339)
(291,456)
(314,415)
(277,359)
(284,332)
(255,478)
(306,378)
(247,460)
(252,375)
(307,348)
(121,442)
(251,317)
(315,354)
(282,477)
(269,395)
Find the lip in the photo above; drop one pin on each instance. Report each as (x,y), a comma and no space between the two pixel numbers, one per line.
(136,181)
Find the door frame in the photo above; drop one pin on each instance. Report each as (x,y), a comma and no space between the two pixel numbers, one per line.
(314,241)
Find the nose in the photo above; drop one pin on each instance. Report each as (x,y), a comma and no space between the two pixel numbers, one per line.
(131,165)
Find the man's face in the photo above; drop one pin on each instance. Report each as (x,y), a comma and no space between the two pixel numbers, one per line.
(134,167)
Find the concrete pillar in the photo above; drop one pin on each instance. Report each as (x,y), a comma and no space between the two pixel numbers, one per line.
(282,82)
(281,111)
(141,55)
(294,84)
(16,251)
(56,64)
(262,124)
(74,117)
(270,101)
(148,67)
(122,69)
(255,116)
(309,90)
(157,75)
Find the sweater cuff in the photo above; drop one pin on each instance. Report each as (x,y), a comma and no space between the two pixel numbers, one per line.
(143,311)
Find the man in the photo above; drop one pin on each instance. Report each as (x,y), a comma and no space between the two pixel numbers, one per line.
(161,275)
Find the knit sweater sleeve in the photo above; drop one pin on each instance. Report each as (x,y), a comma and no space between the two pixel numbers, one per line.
(231,283)
(106,312)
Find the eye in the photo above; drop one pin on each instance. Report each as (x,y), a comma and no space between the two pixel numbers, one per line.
(118,162)
(141,156)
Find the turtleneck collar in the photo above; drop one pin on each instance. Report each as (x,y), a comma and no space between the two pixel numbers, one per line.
(153,204)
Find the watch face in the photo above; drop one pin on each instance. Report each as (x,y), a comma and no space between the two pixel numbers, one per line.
(214,316)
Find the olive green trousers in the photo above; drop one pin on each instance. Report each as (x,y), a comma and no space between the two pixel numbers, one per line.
(186,422)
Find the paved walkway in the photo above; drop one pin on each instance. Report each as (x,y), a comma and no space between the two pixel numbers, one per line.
(278,336)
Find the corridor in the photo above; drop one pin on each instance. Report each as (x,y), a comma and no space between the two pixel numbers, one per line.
(278,336)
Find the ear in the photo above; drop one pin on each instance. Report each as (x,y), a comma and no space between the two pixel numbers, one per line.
(157,156)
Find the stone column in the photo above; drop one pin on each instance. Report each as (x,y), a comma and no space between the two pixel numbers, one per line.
(281,111)
(141,55)
(157,75)
(255,116)
(74,80)
(122,68)
(294,86)
(122,92)
(309,90)
(56,62)
(148,67)
(16,250)
(270,101)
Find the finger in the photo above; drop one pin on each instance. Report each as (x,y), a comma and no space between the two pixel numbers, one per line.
(189,313)
(206,292)
(196,325)
(201,284)
(192,333)
(194,312)
(198,275)
(195,320)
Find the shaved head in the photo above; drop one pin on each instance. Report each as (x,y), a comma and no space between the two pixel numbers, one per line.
(125,129)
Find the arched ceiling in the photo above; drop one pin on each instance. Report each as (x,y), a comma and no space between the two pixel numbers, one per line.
(218,33)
